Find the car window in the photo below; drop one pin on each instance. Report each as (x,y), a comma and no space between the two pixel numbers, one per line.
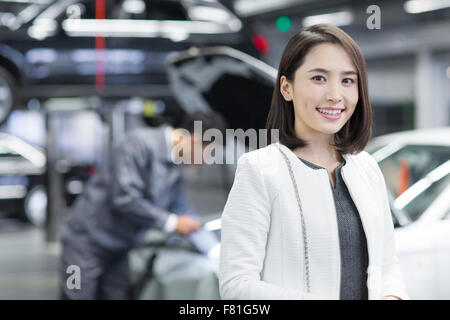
(419,204)
(411,163)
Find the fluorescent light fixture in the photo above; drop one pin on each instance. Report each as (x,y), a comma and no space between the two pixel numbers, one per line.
(26,15)
(175,30)
(252,7)
(209,14)
(42,28)
(419,6)
(340,18)
(134,6)
(7,19)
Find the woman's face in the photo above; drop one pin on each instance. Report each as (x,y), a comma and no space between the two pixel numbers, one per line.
(324,91)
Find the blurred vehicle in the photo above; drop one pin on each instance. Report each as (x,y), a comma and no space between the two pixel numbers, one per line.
(170,267)
(23,192)
(22,184)
(64,48)
(416,167)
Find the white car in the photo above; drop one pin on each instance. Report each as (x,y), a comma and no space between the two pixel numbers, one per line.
(22,180)
(416,167)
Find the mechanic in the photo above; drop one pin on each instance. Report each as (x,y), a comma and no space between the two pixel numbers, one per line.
(140,189)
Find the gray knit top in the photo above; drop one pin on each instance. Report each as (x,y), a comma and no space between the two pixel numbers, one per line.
(352,240)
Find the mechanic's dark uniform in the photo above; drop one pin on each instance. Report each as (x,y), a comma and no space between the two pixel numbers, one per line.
(137,191)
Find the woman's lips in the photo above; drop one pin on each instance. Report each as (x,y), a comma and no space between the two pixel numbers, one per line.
(330,113)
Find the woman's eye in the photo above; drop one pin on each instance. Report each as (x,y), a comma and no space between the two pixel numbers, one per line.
(348,81)
(318,78)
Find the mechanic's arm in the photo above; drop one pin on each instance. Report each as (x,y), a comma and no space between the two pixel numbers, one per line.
(184,217)
(129,164)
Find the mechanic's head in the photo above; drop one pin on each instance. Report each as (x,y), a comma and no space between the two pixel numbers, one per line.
(194,133)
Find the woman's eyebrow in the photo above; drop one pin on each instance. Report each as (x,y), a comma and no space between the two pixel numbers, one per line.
(322,70)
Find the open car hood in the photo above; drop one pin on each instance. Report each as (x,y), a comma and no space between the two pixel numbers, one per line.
(225,80)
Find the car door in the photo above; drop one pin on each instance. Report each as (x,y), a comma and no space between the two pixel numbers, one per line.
(423,246)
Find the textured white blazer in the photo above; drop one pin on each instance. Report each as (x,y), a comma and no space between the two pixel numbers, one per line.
(262,244)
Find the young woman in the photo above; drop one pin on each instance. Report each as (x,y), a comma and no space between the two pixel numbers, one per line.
(308,217)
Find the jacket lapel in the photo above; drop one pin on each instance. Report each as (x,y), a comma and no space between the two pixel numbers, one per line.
(362,195)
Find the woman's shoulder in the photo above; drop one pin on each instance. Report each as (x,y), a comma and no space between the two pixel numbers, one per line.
(364,160)
(362,156)
(264,162)
(261,157)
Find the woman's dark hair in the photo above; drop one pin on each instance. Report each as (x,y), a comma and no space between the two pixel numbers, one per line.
(355,134)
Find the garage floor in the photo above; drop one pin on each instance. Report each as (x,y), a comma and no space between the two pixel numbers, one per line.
(29,265)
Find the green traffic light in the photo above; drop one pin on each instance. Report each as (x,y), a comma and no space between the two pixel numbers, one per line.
(283,23)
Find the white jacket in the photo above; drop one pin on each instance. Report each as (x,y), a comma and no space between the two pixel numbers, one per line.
(262,245)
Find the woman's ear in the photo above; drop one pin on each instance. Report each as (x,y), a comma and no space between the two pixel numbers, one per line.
(285,88)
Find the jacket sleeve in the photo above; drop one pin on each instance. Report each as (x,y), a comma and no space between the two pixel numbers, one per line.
(128,171)
(245,227)
(180,203)
(391,275)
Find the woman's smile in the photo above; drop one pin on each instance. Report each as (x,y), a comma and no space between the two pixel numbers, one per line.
(331,113)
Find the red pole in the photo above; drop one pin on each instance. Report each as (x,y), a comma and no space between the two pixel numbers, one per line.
(100,43)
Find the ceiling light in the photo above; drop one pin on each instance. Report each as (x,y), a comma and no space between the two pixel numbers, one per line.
(175,30)
(209,14)
(134,6)
(42,28)
(251,7)
(341,18)
(419,6)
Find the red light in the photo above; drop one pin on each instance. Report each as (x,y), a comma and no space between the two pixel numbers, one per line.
(92,171)
(261,44)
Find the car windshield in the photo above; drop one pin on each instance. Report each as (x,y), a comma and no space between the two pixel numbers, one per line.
(416,207)
(411,163)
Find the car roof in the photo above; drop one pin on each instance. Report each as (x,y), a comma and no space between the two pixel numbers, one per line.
(428,136)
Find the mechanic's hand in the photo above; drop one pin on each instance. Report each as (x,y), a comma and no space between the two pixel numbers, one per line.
(186,224)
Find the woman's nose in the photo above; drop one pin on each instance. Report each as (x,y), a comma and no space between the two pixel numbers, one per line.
(334,93)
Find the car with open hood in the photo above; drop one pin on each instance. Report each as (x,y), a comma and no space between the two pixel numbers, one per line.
(69,48)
